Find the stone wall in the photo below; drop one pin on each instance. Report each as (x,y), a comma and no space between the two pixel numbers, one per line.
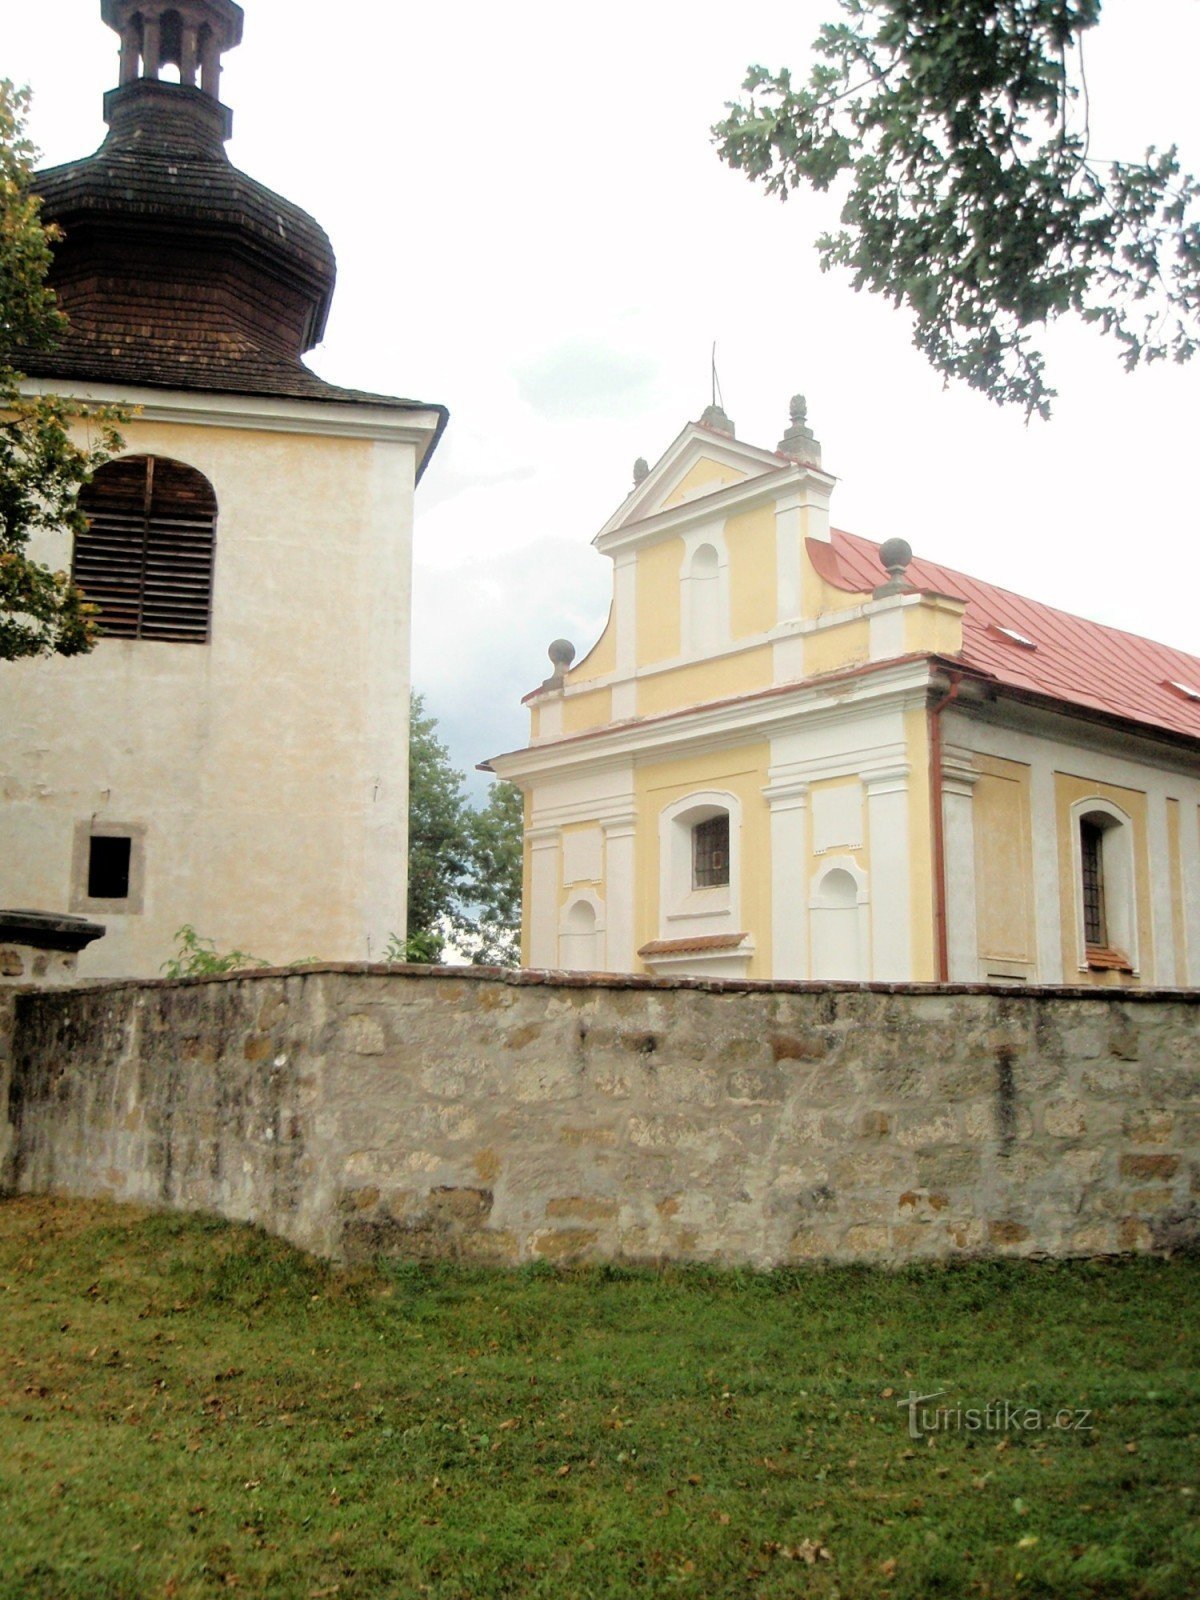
(503,1117)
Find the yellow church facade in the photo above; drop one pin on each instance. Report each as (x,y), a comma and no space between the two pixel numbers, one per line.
(788,758)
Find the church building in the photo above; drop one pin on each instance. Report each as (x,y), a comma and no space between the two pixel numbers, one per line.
(233,754)
(796,754)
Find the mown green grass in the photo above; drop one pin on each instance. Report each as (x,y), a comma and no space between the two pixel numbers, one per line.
(193,1409)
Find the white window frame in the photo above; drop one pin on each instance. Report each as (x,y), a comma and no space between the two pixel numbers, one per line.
(1119,869)
(683,910)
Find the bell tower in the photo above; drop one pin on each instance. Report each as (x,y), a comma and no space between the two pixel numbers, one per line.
(189,35)
(192,35)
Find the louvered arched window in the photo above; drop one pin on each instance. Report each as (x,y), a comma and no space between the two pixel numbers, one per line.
(147,557)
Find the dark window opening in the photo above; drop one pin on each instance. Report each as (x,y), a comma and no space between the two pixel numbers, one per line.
(710,852)
(108,867)
(1095,923)
(146,558)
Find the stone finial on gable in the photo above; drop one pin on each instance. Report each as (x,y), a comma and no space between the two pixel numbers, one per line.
(798,442)
(714,417)
(641,471)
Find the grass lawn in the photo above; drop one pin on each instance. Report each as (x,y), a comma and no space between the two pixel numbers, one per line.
(192,1409)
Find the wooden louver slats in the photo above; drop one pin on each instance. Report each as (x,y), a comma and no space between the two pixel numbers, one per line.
(147,557)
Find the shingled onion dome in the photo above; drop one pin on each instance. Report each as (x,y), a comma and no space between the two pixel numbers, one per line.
(176,269)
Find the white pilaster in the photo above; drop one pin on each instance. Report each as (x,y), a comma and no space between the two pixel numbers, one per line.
(788,534)
(545,849)
(1046,879)
(958,852)
(620,886)
(788,802)
(1162,903)
(891,885)
(625,611)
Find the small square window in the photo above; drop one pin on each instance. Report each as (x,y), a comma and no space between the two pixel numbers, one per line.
(108,867)
(710,852)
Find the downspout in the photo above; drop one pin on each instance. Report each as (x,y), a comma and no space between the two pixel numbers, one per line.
(937,824)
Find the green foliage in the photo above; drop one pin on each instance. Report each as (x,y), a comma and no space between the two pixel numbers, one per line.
(419,949)
(973,198)
(190,1409)
(42,468)
(464,866)
(491,936)
(199,958)
(438,839)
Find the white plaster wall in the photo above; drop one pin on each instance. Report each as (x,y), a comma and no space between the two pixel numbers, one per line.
(269,766)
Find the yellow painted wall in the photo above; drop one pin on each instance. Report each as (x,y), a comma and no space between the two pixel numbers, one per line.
(920,847)
(658,602)
(750,540)
(1068,788)
(701,681)
(1004,905)
(601,659)
(583,711)
(706,474)
(934,626)
(818,597)
(831,649)
(1175,868)
(742,771)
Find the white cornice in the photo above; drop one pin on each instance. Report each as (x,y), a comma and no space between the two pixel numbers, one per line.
(260,413)
(721,724)
(689,444)
(720,503)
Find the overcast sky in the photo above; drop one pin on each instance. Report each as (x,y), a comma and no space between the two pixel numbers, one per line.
(532,228)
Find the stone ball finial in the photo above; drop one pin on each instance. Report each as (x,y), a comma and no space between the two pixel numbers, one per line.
(641,471)
(895,555)
(798,410)
(561,653)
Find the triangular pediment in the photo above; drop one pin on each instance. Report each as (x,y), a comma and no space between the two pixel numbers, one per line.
(701,461)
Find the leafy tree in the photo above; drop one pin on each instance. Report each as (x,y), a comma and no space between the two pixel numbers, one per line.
(41,469)
(439,851)
(464,866)
(974,198)
(493,935)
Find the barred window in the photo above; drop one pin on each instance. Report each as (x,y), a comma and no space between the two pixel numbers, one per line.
(147,557)
(1091,846)
(710,852)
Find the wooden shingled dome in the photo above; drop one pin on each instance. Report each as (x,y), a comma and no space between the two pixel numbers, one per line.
(175,268)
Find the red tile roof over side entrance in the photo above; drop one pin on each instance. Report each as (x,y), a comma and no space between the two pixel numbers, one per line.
(1029,645)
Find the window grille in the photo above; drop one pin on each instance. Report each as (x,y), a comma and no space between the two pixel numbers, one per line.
(710,852)
(1091,844)
(147,557)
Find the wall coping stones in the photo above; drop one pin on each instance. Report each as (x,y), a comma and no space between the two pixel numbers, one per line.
(525,977)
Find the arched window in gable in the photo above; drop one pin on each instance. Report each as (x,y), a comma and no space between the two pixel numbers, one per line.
(704,593)
(146,558)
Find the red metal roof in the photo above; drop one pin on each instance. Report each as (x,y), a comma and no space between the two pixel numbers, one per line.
(1072,659)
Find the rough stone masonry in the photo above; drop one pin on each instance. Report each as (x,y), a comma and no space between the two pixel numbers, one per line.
(507,1116)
